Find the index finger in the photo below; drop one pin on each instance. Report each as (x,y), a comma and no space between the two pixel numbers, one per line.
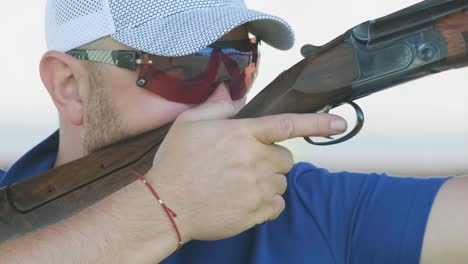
(277,128)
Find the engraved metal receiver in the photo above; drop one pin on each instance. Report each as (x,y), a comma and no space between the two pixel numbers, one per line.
(396,48)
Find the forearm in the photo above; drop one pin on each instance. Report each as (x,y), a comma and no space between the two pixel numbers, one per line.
(446,236)
(127,227)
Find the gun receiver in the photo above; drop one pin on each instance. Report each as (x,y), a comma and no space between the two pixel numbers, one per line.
(426,38)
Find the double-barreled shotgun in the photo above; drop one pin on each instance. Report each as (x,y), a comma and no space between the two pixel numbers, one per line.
(426,38)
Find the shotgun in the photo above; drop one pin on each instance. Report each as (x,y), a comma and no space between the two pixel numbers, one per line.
(426,38)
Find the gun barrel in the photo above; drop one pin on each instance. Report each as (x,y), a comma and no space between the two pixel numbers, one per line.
(408,20)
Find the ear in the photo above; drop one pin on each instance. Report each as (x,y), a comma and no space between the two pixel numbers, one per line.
(63,76)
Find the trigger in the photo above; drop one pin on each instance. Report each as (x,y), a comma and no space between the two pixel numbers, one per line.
(354,132)
(326,109)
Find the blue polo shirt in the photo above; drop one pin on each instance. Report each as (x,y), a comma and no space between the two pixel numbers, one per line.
(329,218)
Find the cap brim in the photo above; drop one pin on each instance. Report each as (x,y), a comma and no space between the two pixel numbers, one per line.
(188,32)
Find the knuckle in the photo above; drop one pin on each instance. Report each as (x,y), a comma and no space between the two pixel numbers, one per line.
(251,157)
(245,160)
(251,180)
(244,127)
(256,202)
(289,160)
(288,167)
(285,160)
(283,183)
(279,206)
(316,125)
(286,126)
(281,203)
(322,124)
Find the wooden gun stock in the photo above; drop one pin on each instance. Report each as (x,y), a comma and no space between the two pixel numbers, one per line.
(454,30)
(352,66)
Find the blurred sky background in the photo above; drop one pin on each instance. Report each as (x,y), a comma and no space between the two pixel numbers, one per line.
(416,129)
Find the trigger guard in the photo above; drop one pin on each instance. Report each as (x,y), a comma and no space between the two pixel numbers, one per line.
(354,132)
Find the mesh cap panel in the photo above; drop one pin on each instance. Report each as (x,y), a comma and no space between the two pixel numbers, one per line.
(72,23)
(163,27)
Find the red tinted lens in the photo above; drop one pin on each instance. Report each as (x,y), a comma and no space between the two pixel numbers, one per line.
(241,69)
(191,79)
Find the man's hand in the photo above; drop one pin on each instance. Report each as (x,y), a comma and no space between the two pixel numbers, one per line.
(223,176)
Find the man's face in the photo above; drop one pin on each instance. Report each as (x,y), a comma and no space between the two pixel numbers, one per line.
(116,108)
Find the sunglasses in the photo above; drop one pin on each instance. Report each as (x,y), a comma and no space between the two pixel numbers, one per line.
(188,79)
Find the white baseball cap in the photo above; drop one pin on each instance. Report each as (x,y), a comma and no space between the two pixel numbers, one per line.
(160,27)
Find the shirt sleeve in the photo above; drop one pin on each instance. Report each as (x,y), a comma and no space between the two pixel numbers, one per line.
(367,218)
(1,175)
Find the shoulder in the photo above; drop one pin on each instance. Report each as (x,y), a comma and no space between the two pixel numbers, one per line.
(356,196)
(2,177)
(2,172)
(350,209)
(318,184)
(37,160)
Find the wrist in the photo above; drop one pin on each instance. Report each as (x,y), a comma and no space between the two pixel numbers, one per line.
(173,198)
(141,231)
(169,212)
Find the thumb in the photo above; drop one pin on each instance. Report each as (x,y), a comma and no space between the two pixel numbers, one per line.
(212,110)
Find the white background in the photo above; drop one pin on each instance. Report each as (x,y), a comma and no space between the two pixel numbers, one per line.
(420,128)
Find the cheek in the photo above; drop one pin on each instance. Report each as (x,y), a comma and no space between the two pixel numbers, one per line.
(138,109)
(145,112)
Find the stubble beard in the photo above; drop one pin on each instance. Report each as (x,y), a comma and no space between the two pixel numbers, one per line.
(102,126)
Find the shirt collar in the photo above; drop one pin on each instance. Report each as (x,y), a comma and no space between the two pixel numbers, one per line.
(39,159)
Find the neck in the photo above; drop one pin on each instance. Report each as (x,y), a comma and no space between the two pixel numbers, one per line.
(70,147)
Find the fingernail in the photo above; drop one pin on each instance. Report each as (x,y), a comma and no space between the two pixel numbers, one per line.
(338,124)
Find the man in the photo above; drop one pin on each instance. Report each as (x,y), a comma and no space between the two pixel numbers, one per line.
(233,202)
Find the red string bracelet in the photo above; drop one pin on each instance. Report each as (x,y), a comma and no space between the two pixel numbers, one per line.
(169,212)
